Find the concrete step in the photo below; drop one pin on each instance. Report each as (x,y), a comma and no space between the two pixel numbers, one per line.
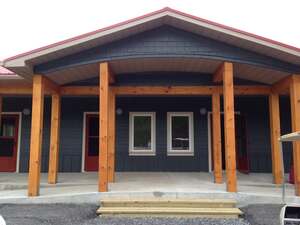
(181,203)
(166,211)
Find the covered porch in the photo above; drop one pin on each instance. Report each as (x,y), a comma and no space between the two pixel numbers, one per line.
(218,63)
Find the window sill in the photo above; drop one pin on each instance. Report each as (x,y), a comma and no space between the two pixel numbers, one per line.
(140,153)
(180,153)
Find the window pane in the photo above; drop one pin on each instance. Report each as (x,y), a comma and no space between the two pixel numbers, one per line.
(6,147)
(142,133)
(8,127)
(93,146)
(180,133)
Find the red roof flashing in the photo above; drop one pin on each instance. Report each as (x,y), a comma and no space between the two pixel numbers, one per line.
(151,14)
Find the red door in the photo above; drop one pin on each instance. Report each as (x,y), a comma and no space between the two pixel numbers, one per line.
(242,160)
(241,144)
(9,142)
(91,142)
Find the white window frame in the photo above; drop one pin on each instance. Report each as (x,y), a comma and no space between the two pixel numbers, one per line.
(173,152)
(141,152)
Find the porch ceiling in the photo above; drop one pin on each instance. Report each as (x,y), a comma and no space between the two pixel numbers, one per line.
(242,71)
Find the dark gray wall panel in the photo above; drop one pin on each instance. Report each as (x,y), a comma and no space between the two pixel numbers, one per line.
(168,42)
(255,110)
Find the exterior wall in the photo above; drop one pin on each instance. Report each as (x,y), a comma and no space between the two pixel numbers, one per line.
(254,108)
(166,42)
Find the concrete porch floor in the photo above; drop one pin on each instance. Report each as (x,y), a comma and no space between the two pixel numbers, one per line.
(82,187)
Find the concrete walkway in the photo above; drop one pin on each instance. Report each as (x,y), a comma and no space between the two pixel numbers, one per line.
(82,188)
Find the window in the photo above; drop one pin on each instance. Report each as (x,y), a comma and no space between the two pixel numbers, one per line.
(180,133)
(142,133)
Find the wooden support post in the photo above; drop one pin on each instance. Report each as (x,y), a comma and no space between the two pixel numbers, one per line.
(216,137)
(36,135)
(229,127)
(111,137)
(295,117)
(54,139)
(103,126)
(275,134)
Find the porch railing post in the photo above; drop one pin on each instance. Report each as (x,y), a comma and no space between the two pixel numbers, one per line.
(216,137)
(229,127)
(36,135)
(54,138)
(295,117)
(275,134)
(103,126)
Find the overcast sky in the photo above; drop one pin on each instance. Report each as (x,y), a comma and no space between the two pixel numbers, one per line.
(29,24)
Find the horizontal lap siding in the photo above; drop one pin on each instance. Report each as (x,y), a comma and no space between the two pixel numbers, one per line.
(255,110)
(162,162)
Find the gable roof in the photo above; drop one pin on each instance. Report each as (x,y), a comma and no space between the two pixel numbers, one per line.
(23,63)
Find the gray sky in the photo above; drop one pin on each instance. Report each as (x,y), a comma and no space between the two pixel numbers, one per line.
(30,24)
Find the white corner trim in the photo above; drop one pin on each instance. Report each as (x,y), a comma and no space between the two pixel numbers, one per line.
(172,152)
(145,152)
(19,137)
(83,138)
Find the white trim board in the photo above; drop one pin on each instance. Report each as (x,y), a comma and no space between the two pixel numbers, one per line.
(19,137)
(83,138)
(209,138)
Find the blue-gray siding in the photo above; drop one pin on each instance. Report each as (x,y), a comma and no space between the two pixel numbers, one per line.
(163,42)
(254,108)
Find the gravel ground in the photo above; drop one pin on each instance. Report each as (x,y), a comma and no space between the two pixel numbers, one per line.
(70,214)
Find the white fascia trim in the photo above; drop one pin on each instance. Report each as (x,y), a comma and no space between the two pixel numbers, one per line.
(20,61)
(190,151)
(235,34)
(142,152)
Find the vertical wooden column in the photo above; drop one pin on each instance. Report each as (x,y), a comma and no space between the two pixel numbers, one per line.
(275,134)
(229,127)
(36,135)
(54,139)
(103,126)
(111,136)
(295,117)
(217,148)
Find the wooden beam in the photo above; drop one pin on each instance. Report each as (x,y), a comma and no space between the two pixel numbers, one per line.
(295,117)
(136,90)
(54,139)
(229,127)
(111,137)
(50,86)
(103,126)
(218,74)
(36,135)
(16,89)
(190,90)
(282,86)
(216,137)
(275,134)
(80,90)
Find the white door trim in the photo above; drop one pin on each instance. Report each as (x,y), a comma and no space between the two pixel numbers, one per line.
(83,138)
(19,136)
(209,138)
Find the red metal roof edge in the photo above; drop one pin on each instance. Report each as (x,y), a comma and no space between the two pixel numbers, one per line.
(151,14)
(4,71)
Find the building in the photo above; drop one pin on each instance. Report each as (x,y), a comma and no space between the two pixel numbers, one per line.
(177,93)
